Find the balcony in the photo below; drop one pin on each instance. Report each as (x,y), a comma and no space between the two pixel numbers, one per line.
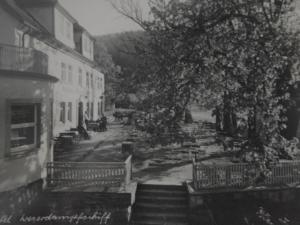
(13,58)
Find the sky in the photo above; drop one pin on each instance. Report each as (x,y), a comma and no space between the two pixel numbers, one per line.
(99,17)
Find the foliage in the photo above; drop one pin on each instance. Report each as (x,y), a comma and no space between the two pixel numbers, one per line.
(110,70)
(265,218)
(121,47)
(237,55)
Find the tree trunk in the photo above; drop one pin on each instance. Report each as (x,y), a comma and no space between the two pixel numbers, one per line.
(188,118)
(218,119)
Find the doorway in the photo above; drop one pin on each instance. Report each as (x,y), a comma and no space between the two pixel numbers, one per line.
(80,113)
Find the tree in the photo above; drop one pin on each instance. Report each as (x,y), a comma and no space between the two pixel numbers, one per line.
(121,47)
(237,55)
(110,70)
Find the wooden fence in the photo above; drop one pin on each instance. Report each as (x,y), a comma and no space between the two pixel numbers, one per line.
(240,175)
(88,174)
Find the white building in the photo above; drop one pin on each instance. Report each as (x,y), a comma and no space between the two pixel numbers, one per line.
(47,70)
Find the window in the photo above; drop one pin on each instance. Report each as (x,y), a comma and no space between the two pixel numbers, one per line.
(87,80)
(88,46)
(61,21)
(99,109)
(99,83)
(80,77)
(68,29)
(63,72)
(62,112)
(92,110)
(70,74)
(88,108)
(24,122)
(70,111)
(92,49)
(92,81)
(85,43)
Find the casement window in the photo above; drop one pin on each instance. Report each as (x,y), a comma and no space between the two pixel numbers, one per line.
(92,110)
(85,43)
(101,84)
(70,111)
(99,109)
(61,22)
(87,80)
(92,49)
(24,123)
(63,72)
(62,112)
(92,81)
(80,77)
(68,29)
(70,74)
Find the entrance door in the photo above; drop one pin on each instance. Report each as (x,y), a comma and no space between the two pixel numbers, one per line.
(80,113)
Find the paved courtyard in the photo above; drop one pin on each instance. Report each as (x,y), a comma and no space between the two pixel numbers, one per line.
(170,164)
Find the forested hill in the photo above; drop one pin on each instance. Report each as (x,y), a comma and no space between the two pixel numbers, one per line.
(123,49)
(121,46)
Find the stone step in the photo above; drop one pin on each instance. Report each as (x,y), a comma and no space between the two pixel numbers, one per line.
(161,187)
(145,222)
(162,200)
(166,217)
(165,208)
(159,192)
(160,205)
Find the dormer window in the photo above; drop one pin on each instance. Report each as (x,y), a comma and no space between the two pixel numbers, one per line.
(63,72)
(64,28)
(68,29)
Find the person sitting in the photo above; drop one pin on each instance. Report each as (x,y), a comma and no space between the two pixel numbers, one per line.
(82,131)
(103,123)
(99,122)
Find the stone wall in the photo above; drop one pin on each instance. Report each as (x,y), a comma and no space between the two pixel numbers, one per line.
(32,205)
(235,207)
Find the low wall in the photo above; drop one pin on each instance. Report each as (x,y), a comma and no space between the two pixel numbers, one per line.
(232,207)
(32,205)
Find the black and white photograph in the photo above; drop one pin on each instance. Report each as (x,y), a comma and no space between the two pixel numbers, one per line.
(149,112)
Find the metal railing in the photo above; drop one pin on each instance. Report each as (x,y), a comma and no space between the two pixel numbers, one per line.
(15,58)
(239,175)
(88,174)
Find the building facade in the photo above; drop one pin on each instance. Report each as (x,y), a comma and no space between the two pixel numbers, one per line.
(48,80)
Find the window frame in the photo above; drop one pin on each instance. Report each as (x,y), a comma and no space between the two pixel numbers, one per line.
(62,113)
(80,77)
(70,112)
(61,22)
(88,80)
(70,74)
(24,150)
(63,72)
(92,81)
(68,29)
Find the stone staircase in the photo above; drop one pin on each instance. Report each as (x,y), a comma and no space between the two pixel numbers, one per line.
(160,205)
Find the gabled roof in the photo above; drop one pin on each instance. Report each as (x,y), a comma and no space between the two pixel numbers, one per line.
(41,3)
(37,2)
